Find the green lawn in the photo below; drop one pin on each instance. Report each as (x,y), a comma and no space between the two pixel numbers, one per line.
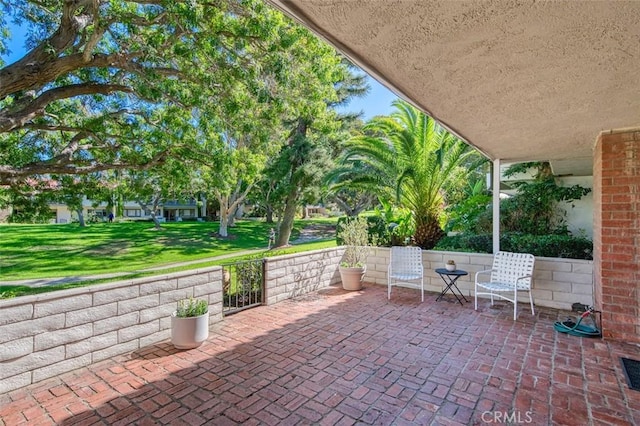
(49,251)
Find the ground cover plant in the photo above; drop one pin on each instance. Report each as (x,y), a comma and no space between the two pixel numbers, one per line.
(50,251)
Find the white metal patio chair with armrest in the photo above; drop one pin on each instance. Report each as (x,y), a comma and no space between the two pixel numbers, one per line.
(510,273)
(405,267)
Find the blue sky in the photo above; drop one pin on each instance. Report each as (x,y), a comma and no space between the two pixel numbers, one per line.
(377,102)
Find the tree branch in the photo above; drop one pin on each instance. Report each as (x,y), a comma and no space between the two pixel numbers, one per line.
(11,175)
(13,120)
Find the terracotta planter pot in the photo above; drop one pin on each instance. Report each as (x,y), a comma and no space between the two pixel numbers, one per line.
(189,332)
(352,278)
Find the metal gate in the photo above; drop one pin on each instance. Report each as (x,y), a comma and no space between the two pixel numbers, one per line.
(242,285)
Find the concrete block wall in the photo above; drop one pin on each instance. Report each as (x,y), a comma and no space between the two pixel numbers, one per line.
(296,274)
(557,282)
(45,335)
(53,333)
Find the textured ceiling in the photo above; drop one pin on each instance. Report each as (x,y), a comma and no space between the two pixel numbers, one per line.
(519,80)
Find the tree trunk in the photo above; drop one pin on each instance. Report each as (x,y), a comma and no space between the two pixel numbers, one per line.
(291,204)
(223,231)
(428,233)
(155,201)
(119,206)
(344,206)
(80,217)
(156,222)
(269,213)
(239,211)
(287,218)
(228,207)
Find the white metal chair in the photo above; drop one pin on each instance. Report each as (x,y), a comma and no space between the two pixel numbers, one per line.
(405,266)
(511,273)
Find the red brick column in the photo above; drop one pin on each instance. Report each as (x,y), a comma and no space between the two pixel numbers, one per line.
(616,233)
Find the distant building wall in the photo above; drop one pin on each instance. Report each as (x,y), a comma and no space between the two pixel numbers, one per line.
(63,214)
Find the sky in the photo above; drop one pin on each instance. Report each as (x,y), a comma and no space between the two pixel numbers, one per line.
(377,102)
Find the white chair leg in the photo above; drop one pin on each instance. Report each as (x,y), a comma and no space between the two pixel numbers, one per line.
(475,294)
(531,301)
(389,290)
(422,288)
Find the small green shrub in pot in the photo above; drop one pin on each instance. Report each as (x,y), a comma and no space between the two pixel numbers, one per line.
(190,323)
(354,234)
(191,308)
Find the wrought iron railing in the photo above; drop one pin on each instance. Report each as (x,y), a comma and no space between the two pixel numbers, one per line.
(242,285)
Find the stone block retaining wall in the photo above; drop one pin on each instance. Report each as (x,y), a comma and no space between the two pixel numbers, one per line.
(296,274)
(53,333)
(557,282)
(44,335)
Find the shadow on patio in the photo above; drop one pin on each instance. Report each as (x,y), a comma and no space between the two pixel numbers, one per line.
(336,357)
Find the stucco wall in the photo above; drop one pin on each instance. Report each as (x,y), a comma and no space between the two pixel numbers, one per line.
(579,212)
(53,333)
(293,275)
(557,282)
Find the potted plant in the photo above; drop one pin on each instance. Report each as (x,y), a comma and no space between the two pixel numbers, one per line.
(190,323)
(355,237)
(450,265)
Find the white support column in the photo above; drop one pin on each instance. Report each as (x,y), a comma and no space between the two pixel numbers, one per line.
(496,205)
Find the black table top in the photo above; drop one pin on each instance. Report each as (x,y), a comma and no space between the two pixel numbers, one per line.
(457,272)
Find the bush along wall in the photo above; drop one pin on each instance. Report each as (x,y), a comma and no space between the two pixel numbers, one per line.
(552,245)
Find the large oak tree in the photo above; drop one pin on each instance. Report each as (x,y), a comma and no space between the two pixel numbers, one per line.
(113,84)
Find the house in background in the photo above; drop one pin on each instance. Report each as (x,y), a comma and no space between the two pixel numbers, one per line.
(170,210)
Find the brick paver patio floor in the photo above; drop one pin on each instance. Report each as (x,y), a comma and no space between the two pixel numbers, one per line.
(336,357)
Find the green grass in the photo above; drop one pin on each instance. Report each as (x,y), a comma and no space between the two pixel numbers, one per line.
(51,251)
(9,291)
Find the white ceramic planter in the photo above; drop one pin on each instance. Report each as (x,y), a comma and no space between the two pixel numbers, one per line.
(189,332)
(352,278)
(450,268)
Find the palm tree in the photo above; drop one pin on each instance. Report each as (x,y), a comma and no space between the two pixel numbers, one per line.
(407,157)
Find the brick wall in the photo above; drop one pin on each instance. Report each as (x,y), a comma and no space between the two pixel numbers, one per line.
(45,335)
(617,233)
(296,274)
(557,282)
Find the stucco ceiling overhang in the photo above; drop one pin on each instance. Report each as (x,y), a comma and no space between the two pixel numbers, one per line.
(519,80)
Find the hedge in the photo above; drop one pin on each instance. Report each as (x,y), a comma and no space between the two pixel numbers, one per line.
(563,246)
